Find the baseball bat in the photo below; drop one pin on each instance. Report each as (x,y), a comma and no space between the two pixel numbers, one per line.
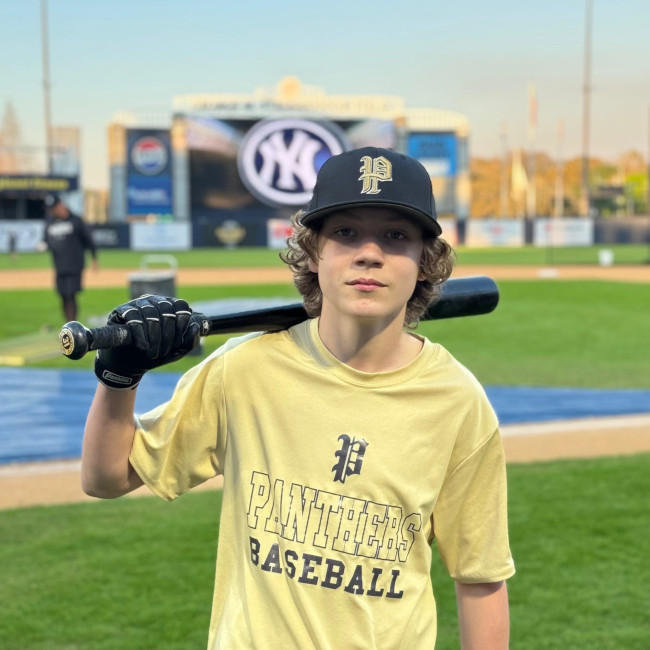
(470,296)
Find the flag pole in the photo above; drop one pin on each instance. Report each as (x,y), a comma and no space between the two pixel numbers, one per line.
(46,87)
(586,113)
(531,195)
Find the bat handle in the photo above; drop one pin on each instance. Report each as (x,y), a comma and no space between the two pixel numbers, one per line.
(76,339)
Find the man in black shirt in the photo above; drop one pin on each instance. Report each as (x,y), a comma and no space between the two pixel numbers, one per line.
(68,237)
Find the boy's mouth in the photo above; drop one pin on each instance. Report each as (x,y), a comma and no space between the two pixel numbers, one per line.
(366,284)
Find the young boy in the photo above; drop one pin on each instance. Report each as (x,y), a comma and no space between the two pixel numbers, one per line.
(347,444)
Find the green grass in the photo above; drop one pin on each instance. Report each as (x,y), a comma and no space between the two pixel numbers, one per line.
(580,536)
(38,308)
(128,259)
(543,333)
(549,333)
(549,256)
(257,257)
(137,573)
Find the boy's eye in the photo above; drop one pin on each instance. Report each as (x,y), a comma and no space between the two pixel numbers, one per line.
(396,234)
(344,231)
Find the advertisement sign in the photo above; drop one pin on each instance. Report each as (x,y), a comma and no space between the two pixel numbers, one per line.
(149,179)
(110,236)
(163,236)
(438,152)
(449,231)
(277,232)
(483,233)
(572,231)
(26,235)
(229,232)
(29,183)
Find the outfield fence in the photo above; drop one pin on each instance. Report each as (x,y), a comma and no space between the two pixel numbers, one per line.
(224,232)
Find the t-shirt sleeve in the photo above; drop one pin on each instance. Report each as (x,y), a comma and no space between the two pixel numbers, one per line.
(181,443)
(470,520)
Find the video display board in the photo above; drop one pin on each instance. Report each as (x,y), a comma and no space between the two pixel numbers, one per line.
(269,167)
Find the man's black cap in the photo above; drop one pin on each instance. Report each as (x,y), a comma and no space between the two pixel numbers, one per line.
(374,177)
(52,199)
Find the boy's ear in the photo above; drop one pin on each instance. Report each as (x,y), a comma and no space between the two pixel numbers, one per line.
(312,265)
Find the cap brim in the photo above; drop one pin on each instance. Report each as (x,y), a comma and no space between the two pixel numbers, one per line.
(425,221)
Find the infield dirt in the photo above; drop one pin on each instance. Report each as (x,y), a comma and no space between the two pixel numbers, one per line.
(104,278)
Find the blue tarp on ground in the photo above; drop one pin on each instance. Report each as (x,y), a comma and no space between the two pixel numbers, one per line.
(43,411)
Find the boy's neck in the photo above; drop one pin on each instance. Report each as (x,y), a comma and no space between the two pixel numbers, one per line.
(369,347)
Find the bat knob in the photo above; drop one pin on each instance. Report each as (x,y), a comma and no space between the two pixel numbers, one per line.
(73,339)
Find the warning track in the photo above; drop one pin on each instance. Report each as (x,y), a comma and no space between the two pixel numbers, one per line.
(106,278)
(30,484)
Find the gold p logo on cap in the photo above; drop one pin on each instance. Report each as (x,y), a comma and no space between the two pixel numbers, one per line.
(372,171)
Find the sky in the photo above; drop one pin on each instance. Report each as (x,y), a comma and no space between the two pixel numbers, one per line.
(474,57)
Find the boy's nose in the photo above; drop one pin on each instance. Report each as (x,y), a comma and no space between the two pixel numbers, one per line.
(369,251)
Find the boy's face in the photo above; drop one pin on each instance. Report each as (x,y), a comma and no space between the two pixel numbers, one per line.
(369,262)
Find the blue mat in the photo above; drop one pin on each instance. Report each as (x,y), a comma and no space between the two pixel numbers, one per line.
(43,411)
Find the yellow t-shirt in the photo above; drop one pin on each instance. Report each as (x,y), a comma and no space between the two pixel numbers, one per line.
(336,482)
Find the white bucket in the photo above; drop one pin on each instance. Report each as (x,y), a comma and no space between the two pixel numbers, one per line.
(606,257)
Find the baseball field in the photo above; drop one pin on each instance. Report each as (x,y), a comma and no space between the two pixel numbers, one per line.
(80,573)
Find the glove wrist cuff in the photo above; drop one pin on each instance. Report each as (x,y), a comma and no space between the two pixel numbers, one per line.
(114,387)
(118,381)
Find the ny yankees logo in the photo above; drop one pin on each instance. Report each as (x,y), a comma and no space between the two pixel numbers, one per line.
(293,161)
(278,159)
(374,170)
(350,457)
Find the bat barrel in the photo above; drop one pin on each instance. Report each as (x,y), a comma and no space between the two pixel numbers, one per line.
(259,320)
(471,296)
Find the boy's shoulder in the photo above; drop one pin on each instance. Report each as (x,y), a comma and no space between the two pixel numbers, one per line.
(453,371)
(252,346)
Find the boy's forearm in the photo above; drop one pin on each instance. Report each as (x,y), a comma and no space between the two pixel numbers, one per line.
(108,437)
(483,616)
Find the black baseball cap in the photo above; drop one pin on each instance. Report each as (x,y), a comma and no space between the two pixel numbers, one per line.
(374,177)
(52,199)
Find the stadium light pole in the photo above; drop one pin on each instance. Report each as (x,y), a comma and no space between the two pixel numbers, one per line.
(559,172)
(503,189)
(648,231)
(586,113)
(531,190)
(649,167)
(46,86)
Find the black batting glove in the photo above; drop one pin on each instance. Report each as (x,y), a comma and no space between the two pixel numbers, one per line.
(162,330)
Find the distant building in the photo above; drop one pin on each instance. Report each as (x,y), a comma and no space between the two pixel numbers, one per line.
(95,206)
(26,181)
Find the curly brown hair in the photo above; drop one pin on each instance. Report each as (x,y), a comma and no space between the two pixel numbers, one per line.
(436,266)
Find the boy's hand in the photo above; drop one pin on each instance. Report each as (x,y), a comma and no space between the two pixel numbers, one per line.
(162,331)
